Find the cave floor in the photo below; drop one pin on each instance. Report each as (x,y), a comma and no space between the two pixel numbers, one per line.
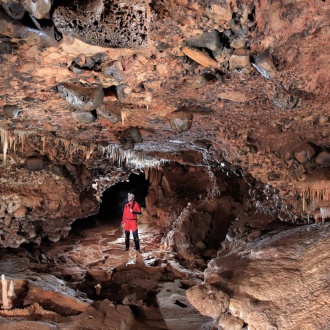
(92,266)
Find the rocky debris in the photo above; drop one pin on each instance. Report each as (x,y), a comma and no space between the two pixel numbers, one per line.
(123,92)
(108,23)
(83,62)
(265,66)
(200,57)
(82,98)
(286,100)
(135,134)
(304,153)
(83,117)
(10,111)
(323,158)
(34,164)
(181,120)
(52,294)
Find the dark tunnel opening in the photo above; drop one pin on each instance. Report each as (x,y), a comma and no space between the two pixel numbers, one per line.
(113,201)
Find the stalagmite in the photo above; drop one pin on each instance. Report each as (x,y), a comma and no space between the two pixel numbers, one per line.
(4,292)
(98,289)
(11,294)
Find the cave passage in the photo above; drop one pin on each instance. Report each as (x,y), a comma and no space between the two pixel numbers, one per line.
(113,201)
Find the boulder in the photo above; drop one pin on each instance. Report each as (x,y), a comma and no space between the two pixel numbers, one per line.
(10,111)
(265,66)
(304,153)
(135,135)
(83,117)
(323,158)
(34,164)
(181,121)
(209,40)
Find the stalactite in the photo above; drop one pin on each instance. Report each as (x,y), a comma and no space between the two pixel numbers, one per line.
(314,195)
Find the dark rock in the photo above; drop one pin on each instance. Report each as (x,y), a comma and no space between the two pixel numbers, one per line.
(127,144)
(72,170)
(203,144)
(82,98)
(10,111)
(265,66)
(323,159)
(34,164)
(123,91)
(83,117)
(14,9)
(304,152)
(209,40)
(105,23)
(135,135)
(181,121)
(113,69)
(58,170)
(5,48)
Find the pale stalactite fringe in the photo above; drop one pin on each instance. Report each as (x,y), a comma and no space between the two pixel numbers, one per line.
(314,195)
(9,139)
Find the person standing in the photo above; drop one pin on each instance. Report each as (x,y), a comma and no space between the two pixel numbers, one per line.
(129,221)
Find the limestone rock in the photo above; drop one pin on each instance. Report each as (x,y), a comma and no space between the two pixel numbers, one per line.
(200,57)
(265,66)
(83,117)
(239,62)
(34,164)
(229,322)
(10,111)
(40,9)
(175,306)
(105,23)
(219,12)
(181,121)
(208,300)
(82,98)
(209,40)
(123,92)
(304,153)
(323,159)
(135,134)
(21,212)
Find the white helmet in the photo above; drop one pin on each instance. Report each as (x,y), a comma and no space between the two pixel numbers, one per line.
(131,195)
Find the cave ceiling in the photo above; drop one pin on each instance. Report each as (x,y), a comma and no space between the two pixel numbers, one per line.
(102,88)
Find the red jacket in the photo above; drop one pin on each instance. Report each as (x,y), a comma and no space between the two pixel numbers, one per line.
(129,218)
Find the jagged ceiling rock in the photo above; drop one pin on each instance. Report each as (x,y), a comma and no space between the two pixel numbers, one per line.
(104,22)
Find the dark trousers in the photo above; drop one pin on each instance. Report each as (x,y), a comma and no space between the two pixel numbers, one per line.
(135,237)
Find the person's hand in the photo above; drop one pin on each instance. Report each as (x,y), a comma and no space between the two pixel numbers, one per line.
(131,210)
